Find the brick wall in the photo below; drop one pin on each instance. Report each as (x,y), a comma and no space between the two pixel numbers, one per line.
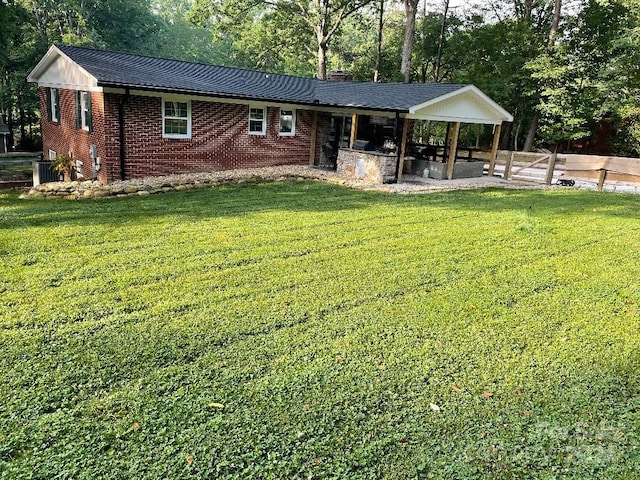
(219,139)
(64,138)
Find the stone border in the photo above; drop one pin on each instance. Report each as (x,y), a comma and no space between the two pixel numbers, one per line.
(78,190)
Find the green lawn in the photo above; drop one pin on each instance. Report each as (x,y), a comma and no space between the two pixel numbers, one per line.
(301,330)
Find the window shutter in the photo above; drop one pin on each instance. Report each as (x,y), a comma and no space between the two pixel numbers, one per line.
(47,92)
(89,113)
(78,112)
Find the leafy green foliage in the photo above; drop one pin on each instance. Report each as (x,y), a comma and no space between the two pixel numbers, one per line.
(590,78)
(493,57)
(298,330)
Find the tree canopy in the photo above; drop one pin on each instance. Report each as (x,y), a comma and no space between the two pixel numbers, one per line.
(562,72)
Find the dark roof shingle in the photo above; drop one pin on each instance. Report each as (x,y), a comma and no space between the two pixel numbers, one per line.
(116,69)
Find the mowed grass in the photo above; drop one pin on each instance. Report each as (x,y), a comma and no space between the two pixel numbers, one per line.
(300,330)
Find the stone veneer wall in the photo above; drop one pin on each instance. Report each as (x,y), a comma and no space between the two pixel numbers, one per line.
(372,167)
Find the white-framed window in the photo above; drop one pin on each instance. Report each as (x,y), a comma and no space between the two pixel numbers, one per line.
(55,104)
(84,118)
(257,120)
(85,109)
(52,155)
(176,118)
(287,122)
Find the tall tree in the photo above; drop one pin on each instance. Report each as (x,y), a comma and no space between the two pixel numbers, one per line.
(376,72)
(320,18)
(19,54)
(623,79)
(410,8)
(549,51)
(438,62)
(492,56)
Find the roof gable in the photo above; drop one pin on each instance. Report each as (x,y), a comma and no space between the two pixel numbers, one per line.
(466,105)
(57,70)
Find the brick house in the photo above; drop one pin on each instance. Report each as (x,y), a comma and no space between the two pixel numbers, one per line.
(120,115)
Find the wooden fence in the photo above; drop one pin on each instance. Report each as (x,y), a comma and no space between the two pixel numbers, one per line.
(566,168)
(16,169)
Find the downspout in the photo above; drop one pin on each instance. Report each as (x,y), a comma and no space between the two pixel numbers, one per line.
(398,141)
(123,100)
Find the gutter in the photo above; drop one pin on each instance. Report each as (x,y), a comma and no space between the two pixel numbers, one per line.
(123,100)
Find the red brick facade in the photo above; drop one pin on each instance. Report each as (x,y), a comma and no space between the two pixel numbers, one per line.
(64,138)
(220,137)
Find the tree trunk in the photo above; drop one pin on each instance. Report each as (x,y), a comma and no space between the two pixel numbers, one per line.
(410,7)
(436,74)
(376,73)
(322,61)
(531,135)
(11,126)
(553,33)
(555,21)
(23,123)
(506,136)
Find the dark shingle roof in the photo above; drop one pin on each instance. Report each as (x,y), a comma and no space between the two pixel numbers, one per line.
(115,69)
(393,96)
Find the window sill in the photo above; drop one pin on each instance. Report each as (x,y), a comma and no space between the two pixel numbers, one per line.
(177,137)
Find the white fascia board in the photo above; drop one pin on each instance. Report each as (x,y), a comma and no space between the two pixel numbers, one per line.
(443,118)
(505,116)
(44,63)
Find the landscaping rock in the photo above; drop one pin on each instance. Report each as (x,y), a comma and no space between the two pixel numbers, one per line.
(182,182)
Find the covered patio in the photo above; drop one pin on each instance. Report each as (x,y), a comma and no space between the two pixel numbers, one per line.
(380,150)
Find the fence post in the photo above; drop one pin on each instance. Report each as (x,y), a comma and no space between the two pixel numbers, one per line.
(494,150)
(507,166)
(603,176)
(551,167)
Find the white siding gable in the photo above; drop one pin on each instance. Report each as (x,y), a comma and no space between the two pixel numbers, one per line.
(467,105)
(56,70)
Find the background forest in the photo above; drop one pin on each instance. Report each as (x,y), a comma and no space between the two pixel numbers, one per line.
(567,71)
